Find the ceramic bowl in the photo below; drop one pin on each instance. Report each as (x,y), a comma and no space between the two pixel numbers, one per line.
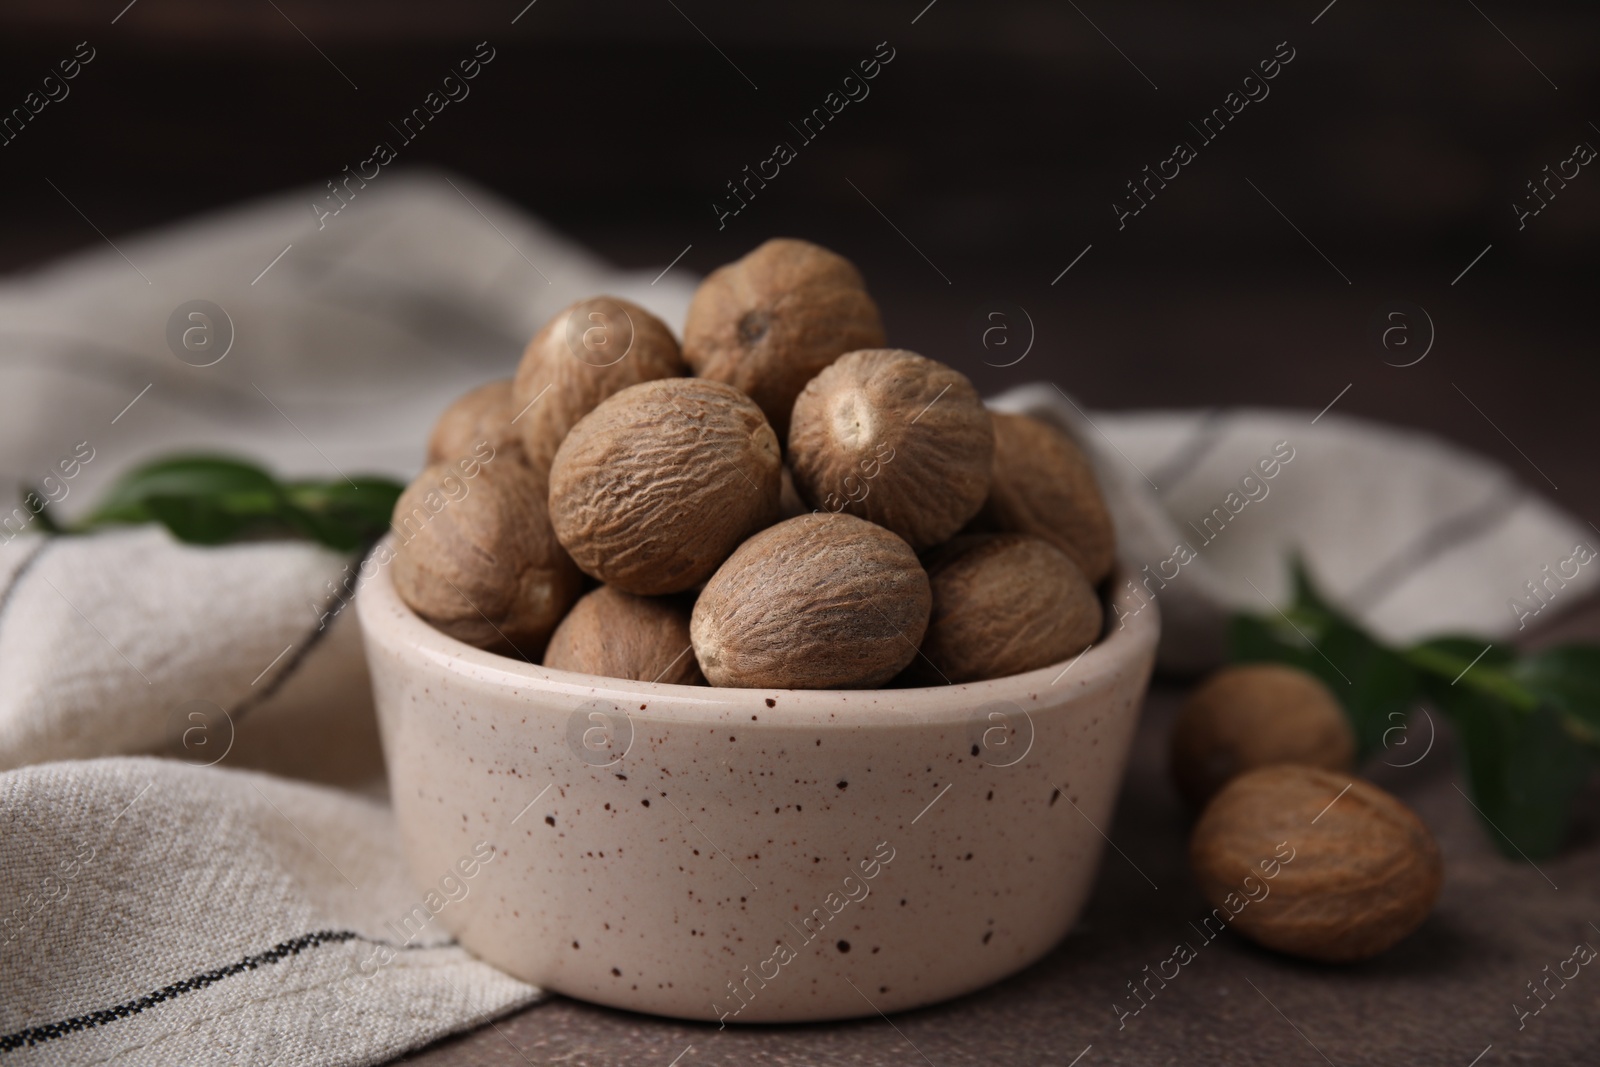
(744,855)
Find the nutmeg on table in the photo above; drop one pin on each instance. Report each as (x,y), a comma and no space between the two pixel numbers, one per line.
(1364,872)
(1267,750)
(1254,715)
(609,461)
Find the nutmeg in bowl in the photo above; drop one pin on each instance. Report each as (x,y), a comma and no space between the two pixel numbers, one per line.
(753,855)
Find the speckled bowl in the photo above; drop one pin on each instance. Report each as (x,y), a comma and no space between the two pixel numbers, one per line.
(750,855)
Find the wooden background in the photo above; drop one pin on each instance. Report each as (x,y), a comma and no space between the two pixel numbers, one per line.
(1396,141)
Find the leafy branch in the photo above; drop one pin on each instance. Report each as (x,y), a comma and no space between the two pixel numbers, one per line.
(210,500)
(1528,726)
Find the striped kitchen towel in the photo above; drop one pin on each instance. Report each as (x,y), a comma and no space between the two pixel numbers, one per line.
(162,913)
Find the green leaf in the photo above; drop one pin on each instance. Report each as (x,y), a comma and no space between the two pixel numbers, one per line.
(204,477)
(1375,684)
(1523,768)
(1476,664)
(205,499)
(1306,594)
(1568,678)
(1528,727)
(198,520)
(345,514)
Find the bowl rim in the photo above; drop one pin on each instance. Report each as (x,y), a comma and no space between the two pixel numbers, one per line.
(1128,642)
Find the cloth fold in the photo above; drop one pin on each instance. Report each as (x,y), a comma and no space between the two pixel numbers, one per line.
(206,908)
(1411,535)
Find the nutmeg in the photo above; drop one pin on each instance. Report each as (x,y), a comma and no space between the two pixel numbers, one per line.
(1297,862)
(620,635)
(584,354)
(1044,485)
(895,438)
(769,322)
(815,602)
(477,423)
(476,557)
(1003,604)
(654,488)
(1253,715)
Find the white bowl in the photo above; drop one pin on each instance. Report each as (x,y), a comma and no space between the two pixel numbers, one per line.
(750,855)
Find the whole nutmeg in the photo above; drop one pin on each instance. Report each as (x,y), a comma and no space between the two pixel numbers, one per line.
(1298,864)
(586,353)
(1044,485)
(1255,715)
(654,488)
(475,556)
(477,423)
(769,322)
(1003,604)
(815,602)
(620,635)
(895,438)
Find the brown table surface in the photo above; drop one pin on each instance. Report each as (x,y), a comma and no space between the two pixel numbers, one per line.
(1443,997)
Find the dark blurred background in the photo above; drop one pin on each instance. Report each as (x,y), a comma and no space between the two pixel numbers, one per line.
(986,158)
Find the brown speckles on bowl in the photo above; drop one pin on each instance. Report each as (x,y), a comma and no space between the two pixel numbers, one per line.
(807,825)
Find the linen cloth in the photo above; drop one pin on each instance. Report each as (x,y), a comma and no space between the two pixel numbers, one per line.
(242,898)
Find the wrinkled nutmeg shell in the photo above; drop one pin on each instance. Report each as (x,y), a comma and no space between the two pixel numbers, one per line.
(1362,873)
(478,424)
(1003,604)
(769,322)
(1252,716)
(1044,485)
(475,556)
(815,602)
(894,438)
(586,353)
(654,488)
(620,635)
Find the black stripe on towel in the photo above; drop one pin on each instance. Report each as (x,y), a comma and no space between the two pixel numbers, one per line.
(306,647)
(38,1035)
(1441,537)
(1196,446)
(19,573)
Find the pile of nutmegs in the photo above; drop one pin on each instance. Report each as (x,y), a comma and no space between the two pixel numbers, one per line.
(808,510)
(1292,849)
